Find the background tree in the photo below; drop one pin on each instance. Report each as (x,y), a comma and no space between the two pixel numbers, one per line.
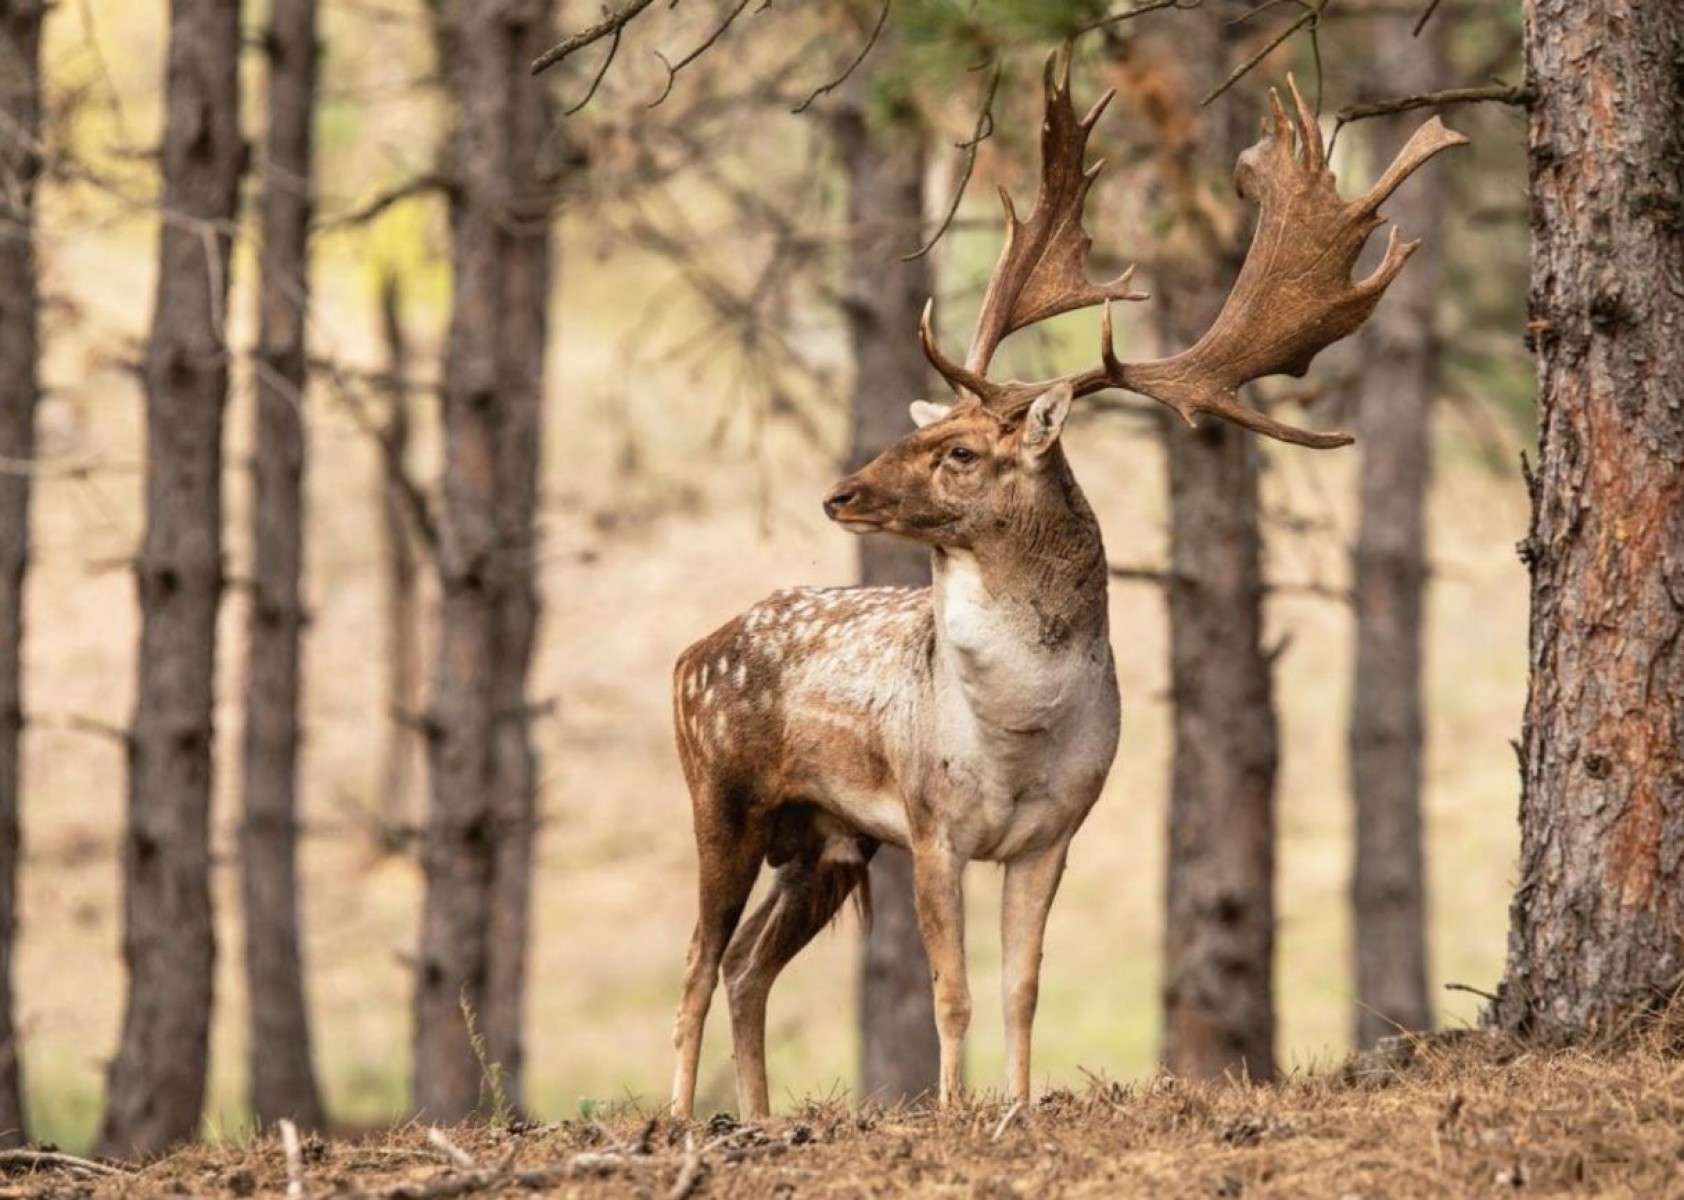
(20,133)
(1594,942)
(483,805)
(157,1080)
(1400,350)
(283,1079)
(883,148)
(1219,920)
(399,578)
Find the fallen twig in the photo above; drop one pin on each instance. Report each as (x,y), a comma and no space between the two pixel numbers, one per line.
(690,1174)
(437,1140)
(56,1160)
(294,1152)
(1006,1121)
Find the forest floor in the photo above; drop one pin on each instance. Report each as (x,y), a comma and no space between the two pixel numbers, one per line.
(1466,1114)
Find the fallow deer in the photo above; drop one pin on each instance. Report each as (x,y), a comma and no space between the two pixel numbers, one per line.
(977,718)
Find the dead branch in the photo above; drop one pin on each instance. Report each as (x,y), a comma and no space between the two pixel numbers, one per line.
(609,26)
(1500,93)
(371,209)
(983,131)
(1426,15)
(870,41)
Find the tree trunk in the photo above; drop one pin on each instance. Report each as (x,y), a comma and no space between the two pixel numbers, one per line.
(398,582)
(1400,355)
(1595,943)
(478,856)
(1218,983)
(20,127)
(883,166)
(157,1081)
(283,1079)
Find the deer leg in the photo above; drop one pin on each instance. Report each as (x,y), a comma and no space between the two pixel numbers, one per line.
(804,898)
(728,868)
(1031,882)
(941,920)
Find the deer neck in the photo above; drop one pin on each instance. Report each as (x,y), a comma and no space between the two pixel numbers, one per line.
(1016,611)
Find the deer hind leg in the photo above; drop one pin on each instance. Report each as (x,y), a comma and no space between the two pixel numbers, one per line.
(820,862)
(1031,883)
(730,860)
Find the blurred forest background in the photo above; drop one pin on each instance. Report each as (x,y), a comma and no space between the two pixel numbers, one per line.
(695,411)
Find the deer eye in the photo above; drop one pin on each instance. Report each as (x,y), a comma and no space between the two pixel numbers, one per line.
(963,455)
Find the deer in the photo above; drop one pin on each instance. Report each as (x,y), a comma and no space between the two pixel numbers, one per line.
(977,719)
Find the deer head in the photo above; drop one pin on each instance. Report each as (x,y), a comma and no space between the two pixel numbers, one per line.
(966,474)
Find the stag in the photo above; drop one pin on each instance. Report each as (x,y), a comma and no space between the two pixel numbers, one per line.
(977,719)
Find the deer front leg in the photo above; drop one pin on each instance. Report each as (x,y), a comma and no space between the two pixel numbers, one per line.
(1031,882)
(936,874)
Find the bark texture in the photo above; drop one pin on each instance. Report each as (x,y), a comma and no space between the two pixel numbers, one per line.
(20,391)
(157,1081)
(482,820)
(283,1078)
(1218,983)
(1595,942)
(398,553)
(883,168)
(1400,355)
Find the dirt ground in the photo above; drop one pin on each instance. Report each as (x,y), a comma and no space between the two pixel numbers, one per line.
(1470,1114)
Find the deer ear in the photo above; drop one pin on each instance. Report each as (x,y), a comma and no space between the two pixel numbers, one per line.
(1046,419)
(925,413)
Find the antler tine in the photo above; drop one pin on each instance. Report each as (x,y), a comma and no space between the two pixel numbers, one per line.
(1294,296)
(1041,271)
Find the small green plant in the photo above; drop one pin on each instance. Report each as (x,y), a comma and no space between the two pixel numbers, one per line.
(589,1108)
(494,1094)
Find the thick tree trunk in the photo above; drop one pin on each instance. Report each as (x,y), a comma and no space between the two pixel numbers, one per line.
(283,1079)
(20,125)
(398,584)
(157,1081)
(1400,355)
(482,821)
(1595,941)
(883,167)
(1218,983)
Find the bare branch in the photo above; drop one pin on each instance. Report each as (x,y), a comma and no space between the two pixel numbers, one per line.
(370,210)
(983,131)
(1427,15)
(1311,16)
(1138,10)
(707,43)
(601,73)
(609,26)
(870,41)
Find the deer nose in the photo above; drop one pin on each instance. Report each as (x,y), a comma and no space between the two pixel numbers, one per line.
(842,496)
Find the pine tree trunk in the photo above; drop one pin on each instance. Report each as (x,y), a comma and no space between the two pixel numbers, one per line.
(1400,355)
(526,277)
(20,126)
(482,818)
(883,167)
(1595,943)
(1218,983)
(283,1079)
(398,583)
(157,1081)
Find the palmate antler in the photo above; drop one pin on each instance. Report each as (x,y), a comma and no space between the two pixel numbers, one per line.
(1294,296)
